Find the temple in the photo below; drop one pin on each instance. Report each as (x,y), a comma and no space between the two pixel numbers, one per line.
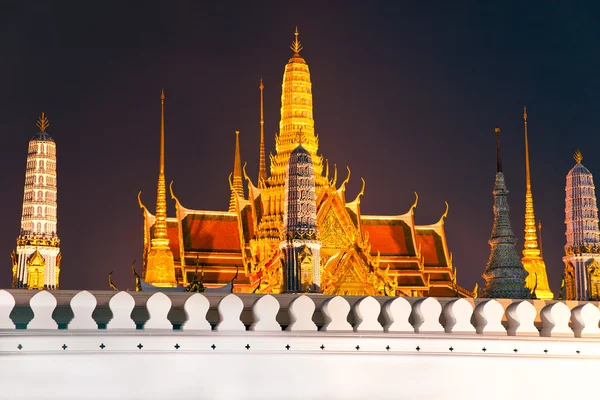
(36,259)
(582,250)
(337,249)
(533,262)
(504,274)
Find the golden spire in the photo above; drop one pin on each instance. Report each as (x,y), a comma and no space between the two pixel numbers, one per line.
(238,186)
(578,156)
(160,227)
(540,238)
(162,132)
(532,259)
(527,170)
(160,265)
(531,245)
(296,46)
(262,167)
(42,123)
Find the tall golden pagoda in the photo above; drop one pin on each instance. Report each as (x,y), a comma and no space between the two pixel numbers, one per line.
(159,265)
(532,258)
(359,254)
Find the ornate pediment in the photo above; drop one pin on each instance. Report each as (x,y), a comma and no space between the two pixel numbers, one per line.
(333,234)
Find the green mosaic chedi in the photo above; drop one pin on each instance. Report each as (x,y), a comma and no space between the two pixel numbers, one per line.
(504,274)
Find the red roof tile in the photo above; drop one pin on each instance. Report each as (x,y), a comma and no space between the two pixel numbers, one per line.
(210,232)
(432,247)
(389,236)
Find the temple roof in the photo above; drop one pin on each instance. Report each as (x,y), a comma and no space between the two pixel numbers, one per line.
(36,259)
(432,247)
(210,231)
(390,235)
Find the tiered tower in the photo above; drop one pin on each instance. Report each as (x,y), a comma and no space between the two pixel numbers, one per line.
(504,274)
(300,237)
(36,260)
(296,116)
(582,259)
(532,258)
(237,189)
(159,266)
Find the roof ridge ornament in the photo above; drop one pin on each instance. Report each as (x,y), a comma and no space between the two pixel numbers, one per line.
(296,46)
(578,156)
(42,123)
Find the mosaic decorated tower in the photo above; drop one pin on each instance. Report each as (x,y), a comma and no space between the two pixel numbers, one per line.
(159,266)
(300,238)
(504,274)
(532,259)
(582,251)
(36,260)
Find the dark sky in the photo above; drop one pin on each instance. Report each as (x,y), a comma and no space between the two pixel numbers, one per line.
(405,93)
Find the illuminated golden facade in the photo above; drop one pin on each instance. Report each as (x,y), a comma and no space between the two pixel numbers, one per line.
(159,265)
(36,259)
(359,254)
(532,260)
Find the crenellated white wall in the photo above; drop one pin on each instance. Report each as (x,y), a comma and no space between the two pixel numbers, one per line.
(233,347)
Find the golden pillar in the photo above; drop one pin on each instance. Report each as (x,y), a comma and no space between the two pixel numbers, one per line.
(532,259)
(160,266)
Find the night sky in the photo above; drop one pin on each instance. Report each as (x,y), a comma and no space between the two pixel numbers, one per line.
(406,94)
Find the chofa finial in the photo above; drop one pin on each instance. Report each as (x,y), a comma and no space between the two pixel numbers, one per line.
(578,156)
(162,94)
(525,114)
(42,123)
(296,46)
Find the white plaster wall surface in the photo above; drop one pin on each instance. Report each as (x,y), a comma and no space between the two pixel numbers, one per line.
(530,351)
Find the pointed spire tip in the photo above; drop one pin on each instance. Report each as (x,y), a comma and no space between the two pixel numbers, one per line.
(578,156)
(296,46)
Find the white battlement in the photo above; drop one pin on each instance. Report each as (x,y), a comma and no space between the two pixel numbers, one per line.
(292,347)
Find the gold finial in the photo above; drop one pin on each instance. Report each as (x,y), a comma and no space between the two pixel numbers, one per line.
(162,94)
(578,156)
(296,46)
(262,166)
(43,123)
(525,114)
(414,205)
(445,214)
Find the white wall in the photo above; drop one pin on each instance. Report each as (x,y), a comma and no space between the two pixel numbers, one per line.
(42,369)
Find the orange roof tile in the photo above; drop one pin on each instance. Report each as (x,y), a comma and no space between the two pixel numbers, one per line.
(210,232)
(389,236)
(432,247)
